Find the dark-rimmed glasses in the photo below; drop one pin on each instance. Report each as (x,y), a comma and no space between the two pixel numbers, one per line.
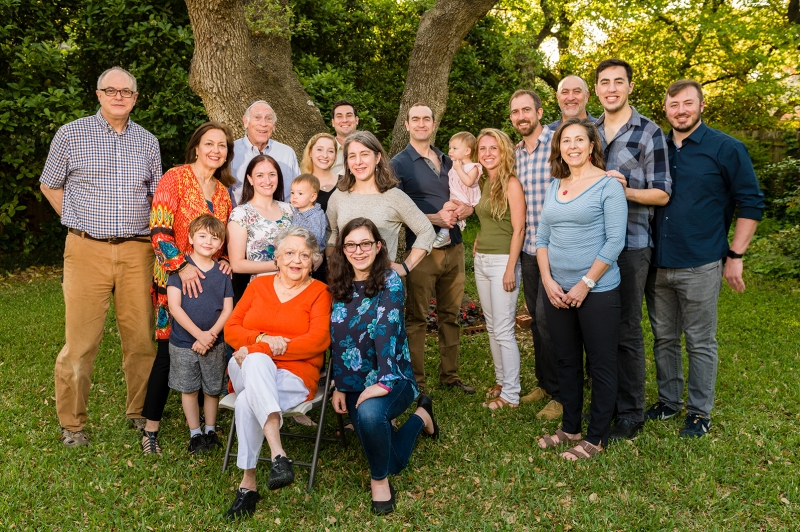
(112,92)
(365,246)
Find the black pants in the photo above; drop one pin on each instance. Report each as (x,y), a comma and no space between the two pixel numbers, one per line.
(158,385)
(240,282)
(544,355)
(594,325)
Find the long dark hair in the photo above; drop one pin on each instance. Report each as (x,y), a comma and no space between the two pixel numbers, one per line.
(558,167)
(384,177)
(223,173)
(248,191)
(340,271)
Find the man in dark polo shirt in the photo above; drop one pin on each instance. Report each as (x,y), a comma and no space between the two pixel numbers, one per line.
(422,171)
(712,175)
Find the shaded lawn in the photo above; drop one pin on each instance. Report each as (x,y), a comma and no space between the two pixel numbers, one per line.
(485,473)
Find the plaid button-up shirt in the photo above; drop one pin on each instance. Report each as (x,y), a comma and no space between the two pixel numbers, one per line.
(639,152)
(533,172)
(106,176)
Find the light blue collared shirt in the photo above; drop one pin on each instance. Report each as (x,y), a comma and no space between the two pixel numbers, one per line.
(244,152)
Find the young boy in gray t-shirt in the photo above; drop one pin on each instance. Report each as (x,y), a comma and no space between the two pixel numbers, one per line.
(196,347)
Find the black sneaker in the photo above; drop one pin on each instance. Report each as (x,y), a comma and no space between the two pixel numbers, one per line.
(243,505)
(281,474)
(197,445)
(625,430)
(695,426)
(212,441)
(659,411)
(461,385)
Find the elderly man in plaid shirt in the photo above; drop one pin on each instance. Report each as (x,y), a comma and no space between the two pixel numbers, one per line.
(100,177)
(635,150)
(533,171)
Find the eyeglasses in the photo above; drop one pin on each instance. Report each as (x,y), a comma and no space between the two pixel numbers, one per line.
(111,92)
(365,246)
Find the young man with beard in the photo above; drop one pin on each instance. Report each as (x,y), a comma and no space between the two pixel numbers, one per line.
(533,172)
(636,155)
(713,176)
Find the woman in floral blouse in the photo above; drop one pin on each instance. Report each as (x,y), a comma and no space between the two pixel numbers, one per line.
(370,359)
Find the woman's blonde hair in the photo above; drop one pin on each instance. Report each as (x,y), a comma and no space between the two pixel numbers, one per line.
(306,166)
(498,194)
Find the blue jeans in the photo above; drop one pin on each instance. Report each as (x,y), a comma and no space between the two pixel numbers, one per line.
(387,450)
(684,301)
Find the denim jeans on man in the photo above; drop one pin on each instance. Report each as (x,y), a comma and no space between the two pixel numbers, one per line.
(387,450)
(685,300)
(544,356)
(633,267)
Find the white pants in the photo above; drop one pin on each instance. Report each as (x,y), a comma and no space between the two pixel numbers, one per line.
(261,389)
(500,311)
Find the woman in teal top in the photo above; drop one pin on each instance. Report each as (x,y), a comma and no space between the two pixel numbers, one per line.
(501,211)
(580,235)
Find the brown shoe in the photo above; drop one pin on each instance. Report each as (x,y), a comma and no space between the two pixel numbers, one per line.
(552,410)
(536,395)
(137,423)
(74,439)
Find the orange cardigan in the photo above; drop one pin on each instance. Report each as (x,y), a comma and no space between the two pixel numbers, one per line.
(305,319)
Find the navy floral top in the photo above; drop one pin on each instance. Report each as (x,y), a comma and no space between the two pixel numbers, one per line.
(368,339)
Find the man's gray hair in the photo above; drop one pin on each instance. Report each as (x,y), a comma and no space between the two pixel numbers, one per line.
(115,69)
(311,241)
(262,102)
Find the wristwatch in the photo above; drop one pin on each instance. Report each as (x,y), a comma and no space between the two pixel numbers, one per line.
(733,255)
(589,283)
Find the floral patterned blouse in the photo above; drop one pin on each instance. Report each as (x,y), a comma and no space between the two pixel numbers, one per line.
(261,232)
(368,339)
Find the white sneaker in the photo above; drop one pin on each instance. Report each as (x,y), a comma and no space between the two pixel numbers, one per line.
(442,240)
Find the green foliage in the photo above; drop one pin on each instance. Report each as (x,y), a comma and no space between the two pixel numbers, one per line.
(780,183)
(51,54)
(776,256)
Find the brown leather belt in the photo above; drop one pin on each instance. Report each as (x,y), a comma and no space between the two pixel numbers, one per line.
(112,240)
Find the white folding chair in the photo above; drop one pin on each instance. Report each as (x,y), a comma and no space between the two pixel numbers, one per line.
(319,400)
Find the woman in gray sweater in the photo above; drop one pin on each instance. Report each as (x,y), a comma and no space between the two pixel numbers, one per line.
(581,232)
(369,189)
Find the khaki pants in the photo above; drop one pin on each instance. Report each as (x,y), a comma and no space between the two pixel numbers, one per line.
(93,271)
(439,275)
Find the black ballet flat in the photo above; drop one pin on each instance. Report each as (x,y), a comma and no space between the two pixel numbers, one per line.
(425,402)
(385,507)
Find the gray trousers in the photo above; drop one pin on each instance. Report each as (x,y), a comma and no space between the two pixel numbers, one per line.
(633,267)
(684,301)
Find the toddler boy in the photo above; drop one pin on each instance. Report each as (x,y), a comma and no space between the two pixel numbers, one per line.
(309,215)
(196,347)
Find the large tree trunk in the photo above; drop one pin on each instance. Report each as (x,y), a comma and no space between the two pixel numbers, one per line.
(238,60)
(439,37)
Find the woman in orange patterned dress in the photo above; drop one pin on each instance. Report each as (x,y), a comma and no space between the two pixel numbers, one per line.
(184,193)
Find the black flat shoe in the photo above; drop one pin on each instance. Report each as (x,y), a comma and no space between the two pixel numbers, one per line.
(425,402)
(281,474)
(243,505)
(385,507)
(625,430)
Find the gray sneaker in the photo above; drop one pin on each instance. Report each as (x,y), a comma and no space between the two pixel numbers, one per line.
(74,439)
(442,240)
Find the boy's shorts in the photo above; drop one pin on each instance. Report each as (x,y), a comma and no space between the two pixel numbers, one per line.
(190,371)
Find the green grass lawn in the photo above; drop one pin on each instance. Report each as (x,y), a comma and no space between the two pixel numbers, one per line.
(485,473)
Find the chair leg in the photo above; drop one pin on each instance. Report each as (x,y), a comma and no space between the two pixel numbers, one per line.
(320,426)
(229,443)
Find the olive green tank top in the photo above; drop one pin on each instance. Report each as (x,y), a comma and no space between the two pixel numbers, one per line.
(494,237)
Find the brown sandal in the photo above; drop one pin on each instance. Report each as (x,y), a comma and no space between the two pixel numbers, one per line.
(494,392)
(498,403)
(559,439)
(582,451)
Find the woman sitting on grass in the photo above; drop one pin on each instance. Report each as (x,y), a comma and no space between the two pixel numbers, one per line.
(370,360)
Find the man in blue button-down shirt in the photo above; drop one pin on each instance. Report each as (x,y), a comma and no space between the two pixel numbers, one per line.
(712,175)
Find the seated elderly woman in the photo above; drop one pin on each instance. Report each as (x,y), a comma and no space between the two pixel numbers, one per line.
(370,360)
(280,330)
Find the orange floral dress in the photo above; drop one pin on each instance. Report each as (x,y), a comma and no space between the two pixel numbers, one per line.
(178,200)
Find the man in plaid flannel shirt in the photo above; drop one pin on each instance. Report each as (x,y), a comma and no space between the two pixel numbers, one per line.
(635,150)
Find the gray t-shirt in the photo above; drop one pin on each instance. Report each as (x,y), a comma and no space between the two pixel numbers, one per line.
(203,310)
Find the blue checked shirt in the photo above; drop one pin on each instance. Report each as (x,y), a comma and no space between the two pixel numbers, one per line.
(533,172)
(106,176)
(314,220)
(639,152)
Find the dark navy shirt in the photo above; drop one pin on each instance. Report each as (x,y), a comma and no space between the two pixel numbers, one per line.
(426,189)
(711,175)
(203,310)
